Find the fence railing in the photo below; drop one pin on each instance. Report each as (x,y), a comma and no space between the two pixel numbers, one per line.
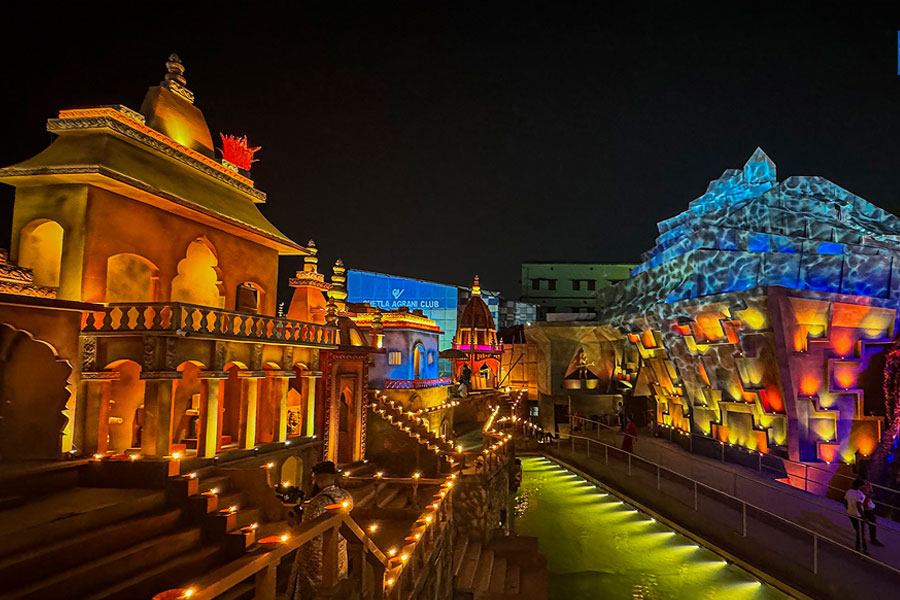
(263,566)
(175,318)
(795,471)
(665,481)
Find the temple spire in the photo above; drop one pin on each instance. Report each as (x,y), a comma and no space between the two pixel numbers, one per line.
(174,80)
(476,287)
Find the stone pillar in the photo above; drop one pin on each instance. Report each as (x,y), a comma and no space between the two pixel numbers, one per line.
(280,391)
(156,437)
(210,414)
(94,389)
(309,419)
(251,401)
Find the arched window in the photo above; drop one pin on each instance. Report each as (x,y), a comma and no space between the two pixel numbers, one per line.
(198,280)
(418,357)
(40,249)
(130,278)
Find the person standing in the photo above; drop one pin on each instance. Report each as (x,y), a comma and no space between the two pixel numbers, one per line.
(465,380)
(306,573)
(855,499)
(869,513)
(620,415)
(630,435)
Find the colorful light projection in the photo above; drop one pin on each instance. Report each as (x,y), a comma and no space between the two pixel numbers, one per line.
(701,301)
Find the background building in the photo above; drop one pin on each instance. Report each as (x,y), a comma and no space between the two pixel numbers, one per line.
(515,312)
(568,287)
(438,301)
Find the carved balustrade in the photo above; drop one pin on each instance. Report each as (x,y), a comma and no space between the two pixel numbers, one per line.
(185,320)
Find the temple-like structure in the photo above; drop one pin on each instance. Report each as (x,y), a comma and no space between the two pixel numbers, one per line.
(183,354)
(476,338)
(760,319)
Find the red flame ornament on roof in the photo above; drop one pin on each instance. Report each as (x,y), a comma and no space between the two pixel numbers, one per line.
(237,151)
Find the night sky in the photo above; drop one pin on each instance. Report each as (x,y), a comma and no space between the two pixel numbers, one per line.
(441,141)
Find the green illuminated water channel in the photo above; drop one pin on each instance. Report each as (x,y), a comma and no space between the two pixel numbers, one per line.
(599,547)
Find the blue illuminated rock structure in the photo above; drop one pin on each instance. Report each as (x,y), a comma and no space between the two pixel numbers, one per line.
(760,318)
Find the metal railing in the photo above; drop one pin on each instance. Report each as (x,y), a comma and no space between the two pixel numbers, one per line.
(636,465)
(812,485)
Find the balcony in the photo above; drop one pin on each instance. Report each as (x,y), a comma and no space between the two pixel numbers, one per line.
(189,320)
(479,347)
(415,384)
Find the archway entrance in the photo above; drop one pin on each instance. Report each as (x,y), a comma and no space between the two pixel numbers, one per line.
(346,427)
(234,410)
(33,396)
(126,409)
(292,471)
(418,356)
(186,409)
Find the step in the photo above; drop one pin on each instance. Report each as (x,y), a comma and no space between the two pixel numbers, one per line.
(70,513)
(533,583)
(176,572)
(469,566)
(513,579)
(459,551)
(386,496)
(77,582)
(482,580)
(249,515)
(222,482)
(22,568)
(498,575)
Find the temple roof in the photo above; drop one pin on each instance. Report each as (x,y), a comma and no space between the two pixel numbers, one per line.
(476,315)
(163,157)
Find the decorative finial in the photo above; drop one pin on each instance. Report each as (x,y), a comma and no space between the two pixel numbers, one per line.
(312,244)
(338,283)
(476,287)
(331,312)
(377,325)
(174,80)
(175,70)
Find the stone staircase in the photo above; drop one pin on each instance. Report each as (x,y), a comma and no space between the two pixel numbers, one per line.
(118,544)
(417,430)
(506,569)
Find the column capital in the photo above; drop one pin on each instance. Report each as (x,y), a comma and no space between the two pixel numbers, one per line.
(213,375)
(251,374)
(160,375)
(286,374)
(100,375)
(311,374)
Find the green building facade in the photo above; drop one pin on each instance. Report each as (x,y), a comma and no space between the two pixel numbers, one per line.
(568,287)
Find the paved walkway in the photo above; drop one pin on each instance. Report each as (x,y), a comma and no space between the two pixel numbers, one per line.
(827,518)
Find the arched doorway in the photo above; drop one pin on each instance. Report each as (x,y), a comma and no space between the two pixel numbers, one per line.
(418,357)
(234,409)
(33,395)
(346,427)
(126,408)
(40,249)
(292,471)
(186,408)
(199,279)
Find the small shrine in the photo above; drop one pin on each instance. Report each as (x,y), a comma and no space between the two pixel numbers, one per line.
(476,338)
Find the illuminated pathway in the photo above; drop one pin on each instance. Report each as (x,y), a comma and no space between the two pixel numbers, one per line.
(600,547)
